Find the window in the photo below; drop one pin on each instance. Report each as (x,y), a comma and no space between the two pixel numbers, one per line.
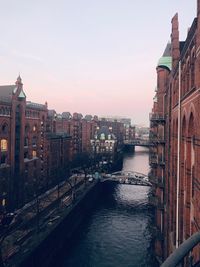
(4,145)
(4,128)
(34,141)
(102,136)
(3,159)
(34,154)
(26,141)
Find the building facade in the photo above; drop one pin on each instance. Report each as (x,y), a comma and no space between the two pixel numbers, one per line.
(38,145)
(27,159)
(175,157)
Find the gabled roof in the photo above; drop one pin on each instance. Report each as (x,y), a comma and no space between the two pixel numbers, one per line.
(167,52)
(6,92)
(22,94)
(66,115)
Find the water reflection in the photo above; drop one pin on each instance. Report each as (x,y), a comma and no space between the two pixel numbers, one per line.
(137,161)
(117,232)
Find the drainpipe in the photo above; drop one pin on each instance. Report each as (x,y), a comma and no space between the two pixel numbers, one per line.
(178,157)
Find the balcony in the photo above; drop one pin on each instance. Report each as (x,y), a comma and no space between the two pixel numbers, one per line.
(157,118)
(157,139)
(155,160)
(161,161)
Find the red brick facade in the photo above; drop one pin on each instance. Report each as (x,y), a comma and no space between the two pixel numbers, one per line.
(176,119)
(29,157)
(37,145)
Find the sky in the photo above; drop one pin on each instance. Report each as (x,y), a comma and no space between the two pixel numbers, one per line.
(90,56)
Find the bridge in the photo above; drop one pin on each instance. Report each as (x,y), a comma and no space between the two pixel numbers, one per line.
(138,142)
(127,177)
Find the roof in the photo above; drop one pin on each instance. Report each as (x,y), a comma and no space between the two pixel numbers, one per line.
(6,92)
(58,135)
(88,117)
(33,105)
(166,60)
(22,94)
(51,112)
(66,115)
(167,52)
(106,132)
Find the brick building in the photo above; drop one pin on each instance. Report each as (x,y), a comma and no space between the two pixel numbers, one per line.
(175,121)
(104,144)
(26,149)
(37,145)
(120,127)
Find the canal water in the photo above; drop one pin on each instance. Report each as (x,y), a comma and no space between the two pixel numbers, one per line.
(118,231)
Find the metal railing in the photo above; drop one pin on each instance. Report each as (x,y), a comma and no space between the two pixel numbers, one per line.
(182,251)
(156,117)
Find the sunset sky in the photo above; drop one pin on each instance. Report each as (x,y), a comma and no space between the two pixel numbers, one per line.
(94,57)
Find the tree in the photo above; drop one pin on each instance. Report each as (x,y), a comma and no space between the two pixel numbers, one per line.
(84,162)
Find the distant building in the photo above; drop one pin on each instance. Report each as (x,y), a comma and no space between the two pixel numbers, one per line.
(104,143)
(37,144)
(25,146)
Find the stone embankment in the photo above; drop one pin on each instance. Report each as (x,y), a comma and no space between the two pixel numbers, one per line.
(43,226)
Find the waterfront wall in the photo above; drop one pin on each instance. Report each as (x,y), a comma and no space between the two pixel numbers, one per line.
(47,250)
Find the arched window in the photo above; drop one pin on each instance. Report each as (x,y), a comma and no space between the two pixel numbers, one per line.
(4,128)
(4,145)
(27,128)
(26,141)
(48,128)
(102,137)
(34,128)
(34,153)
(34,141)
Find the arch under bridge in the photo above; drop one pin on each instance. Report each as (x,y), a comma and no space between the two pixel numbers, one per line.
(127,177)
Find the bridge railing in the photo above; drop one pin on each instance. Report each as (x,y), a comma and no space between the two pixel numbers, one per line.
(138,142)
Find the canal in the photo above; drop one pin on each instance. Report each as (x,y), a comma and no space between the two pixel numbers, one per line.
(117,232)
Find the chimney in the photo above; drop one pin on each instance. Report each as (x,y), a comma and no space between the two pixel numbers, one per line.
(175,50)
(198,28)
(198,8)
